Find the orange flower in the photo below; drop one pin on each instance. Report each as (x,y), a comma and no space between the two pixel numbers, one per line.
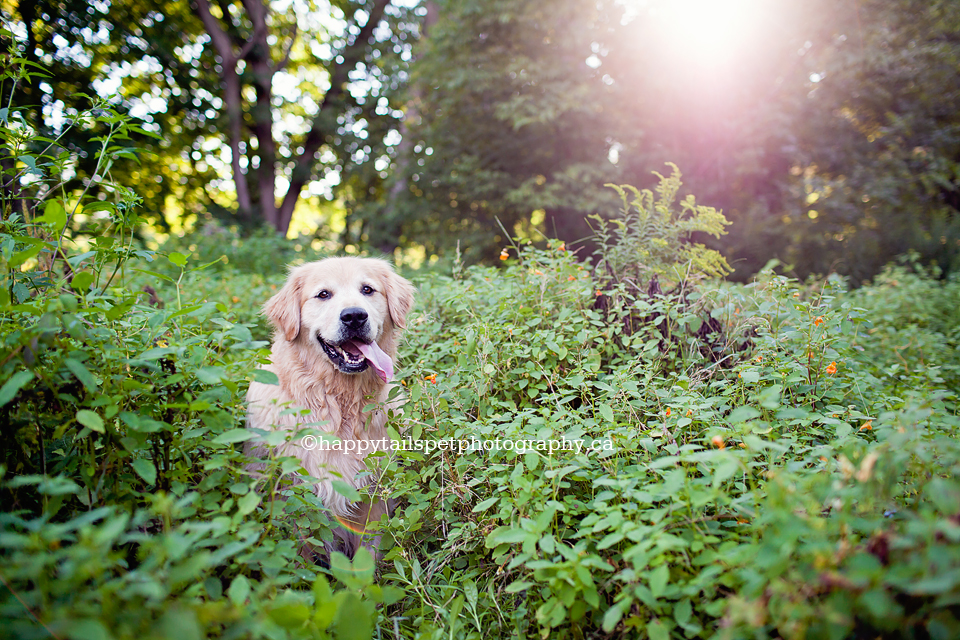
(431,378)
(818,321)
(868,426)
(537,272)
(598,293)
(235,299)
(668,412)
(796,294)
(718,442)
(689,412)
(504,254)
(562,247)
(571,278)
(759,358)
(832,368)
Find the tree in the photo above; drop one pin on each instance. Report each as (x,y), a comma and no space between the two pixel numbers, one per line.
(878,162)
(507,125)
(241,35)
(79,51)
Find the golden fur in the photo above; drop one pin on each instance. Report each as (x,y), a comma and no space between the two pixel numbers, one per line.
(309,377)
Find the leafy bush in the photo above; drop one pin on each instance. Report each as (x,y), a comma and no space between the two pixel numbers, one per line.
(792,494)
(127,511)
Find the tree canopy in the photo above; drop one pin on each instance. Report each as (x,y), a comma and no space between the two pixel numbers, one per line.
(826,132)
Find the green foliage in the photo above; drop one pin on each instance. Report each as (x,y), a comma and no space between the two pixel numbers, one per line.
(127,507)
(651,234)
(795,492)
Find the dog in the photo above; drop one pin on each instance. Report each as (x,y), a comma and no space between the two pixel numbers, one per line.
(338,323)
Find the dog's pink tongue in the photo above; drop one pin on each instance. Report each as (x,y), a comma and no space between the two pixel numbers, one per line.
(379,360)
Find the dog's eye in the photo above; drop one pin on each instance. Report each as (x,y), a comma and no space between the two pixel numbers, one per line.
(323,295)
(367,290)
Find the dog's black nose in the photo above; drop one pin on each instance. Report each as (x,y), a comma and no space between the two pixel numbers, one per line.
(353,318)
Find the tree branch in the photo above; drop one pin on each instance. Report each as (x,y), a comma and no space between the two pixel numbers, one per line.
(352,54)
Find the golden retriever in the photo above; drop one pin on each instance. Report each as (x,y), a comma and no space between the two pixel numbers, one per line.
(338,323)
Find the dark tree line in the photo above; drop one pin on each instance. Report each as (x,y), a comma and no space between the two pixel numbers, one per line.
(830,138)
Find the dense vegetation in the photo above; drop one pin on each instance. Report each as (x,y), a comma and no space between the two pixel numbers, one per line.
(775,459)
(826,131)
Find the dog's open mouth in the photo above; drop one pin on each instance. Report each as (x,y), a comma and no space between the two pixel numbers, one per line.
(352,356)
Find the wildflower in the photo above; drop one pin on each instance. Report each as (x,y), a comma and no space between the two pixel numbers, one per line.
(537,272)
(818,321)
(739,374)
(571,278)
(598,293)
(431,378)
(759,358)
(742,445)
(718,442)
(504,254)
(689,412)
(235,299)
(832,368)
(868,426)
(562,247)
(796,294)
(668,412)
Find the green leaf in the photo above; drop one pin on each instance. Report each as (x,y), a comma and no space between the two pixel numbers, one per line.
(348,491)
(177,258)
(83,374)
(611,618)
(90,420)
(658,580)
(54,214)
(486,504)
(235,435)
(16,382)
(606,412)
(354,618)
(145,469)
(211,375)
(82,281)
(656,630)
(265,377)
(248,503)
(239,590)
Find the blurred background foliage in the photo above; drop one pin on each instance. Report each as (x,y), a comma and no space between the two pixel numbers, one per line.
(825,131)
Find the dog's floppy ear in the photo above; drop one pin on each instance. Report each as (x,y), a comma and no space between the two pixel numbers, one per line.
(399,293)
(283,309)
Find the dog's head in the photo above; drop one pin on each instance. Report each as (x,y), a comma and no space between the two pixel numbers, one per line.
(347,308)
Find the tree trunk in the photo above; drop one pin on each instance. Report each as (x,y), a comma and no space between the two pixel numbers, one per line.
(325,122)
(256,51)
